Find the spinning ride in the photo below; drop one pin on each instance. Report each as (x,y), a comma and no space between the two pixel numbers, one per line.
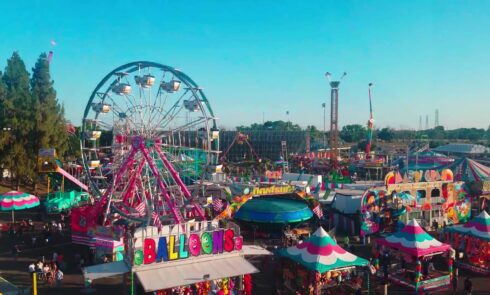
(148,131)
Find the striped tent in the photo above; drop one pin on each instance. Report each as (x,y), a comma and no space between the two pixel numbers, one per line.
(465,169)
(478,227)
(413,240)
(321,253)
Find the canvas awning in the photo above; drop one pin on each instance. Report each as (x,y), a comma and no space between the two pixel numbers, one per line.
(105,270)
(158,276)
(255,250)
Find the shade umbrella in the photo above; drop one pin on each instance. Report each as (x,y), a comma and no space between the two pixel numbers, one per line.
(15,200)
(406,196)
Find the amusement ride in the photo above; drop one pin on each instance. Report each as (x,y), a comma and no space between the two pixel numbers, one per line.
(164,135)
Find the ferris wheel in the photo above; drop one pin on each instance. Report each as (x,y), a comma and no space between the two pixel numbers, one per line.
(148,131)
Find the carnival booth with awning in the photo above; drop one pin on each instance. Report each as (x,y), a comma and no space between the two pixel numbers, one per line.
(319,263)
(190,258)
(473,240)
(413,250)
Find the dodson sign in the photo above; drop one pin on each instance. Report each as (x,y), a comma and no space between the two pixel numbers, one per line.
(215,242)
(273,190)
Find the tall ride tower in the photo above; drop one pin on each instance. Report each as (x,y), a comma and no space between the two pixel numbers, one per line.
(334,119)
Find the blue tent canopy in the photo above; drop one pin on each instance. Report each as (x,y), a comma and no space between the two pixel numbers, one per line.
(274,210)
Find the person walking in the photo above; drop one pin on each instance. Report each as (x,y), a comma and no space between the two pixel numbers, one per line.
(455,284)
(468,286)
(60,228)
(58,277)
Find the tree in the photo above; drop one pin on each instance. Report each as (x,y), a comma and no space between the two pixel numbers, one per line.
(353,133)
(386,134)
(314,132)
(436,133)
(19,117)
(4,135)
(50,128)
(271,125)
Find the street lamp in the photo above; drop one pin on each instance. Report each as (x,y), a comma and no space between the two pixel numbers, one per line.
(287,123)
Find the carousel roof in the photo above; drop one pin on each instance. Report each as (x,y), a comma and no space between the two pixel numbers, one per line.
(478,227)
(320,252)
(414,240)
(274,210)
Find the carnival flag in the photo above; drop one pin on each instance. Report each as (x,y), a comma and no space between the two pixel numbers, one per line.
(156,220)
(217,204)
(318,211)
(141,208)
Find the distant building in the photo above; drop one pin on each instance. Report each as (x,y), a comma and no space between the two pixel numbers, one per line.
(462,149)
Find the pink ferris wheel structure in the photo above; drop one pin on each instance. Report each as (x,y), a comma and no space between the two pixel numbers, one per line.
(148,132)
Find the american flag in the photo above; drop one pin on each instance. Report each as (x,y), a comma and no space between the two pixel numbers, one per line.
(217,204)
(141,208)
(156,220)
(318,211)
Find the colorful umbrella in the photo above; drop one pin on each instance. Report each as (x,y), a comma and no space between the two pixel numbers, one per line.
(478,227)
(15,200)
(320,252)
(406,197)
(413,240)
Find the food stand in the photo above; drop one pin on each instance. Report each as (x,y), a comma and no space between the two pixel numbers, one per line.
(319,263)
(413,249)
(473,239)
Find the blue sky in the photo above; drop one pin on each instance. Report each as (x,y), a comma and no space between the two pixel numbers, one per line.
(255,57)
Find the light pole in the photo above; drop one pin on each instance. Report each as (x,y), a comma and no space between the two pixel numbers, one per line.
(324,105)
(287,123)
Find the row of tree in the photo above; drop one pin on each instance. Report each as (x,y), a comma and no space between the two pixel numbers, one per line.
(356,133)
(31,117)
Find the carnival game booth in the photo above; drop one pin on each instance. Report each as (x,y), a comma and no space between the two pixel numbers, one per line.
(473,240)
(318,263)
(413,249)
(429,197)
(190,258)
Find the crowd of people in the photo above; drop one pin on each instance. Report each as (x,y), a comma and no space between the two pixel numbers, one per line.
(50,272)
